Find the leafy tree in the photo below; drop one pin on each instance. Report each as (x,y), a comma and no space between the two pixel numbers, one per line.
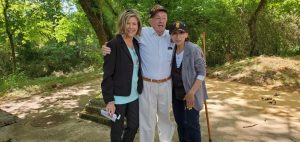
(36,35)
(35,25)
(8,28)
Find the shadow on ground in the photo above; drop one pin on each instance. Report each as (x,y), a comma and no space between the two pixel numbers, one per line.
(242,113)
(237,112)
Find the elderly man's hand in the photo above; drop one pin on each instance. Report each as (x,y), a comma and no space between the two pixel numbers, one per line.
(105,50)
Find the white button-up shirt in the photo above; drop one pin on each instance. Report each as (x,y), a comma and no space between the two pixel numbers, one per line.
(156,53)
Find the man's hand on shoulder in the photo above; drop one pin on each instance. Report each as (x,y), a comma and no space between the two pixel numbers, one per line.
(105,50)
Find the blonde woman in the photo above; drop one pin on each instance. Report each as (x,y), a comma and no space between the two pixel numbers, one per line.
(122,78)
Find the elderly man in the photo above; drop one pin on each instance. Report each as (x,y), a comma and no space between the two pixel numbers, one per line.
(156,99)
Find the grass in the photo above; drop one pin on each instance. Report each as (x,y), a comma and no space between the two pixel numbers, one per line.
(18,85)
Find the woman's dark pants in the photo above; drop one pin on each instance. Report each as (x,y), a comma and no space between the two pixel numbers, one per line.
(188,126)
(131,112)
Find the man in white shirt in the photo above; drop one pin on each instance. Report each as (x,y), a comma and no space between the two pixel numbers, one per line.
(156,99)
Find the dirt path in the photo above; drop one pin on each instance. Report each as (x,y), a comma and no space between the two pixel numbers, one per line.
(242,113)
(238,113)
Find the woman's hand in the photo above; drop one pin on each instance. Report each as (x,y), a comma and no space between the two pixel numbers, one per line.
(190,99)
(111,108)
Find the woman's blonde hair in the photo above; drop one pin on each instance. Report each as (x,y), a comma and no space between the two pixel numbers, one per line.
(123,19)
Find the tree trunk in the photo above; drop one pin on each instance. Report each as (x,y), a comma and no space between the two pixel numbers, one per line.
(108,28)
(94,14)
(252,27)
(9,34)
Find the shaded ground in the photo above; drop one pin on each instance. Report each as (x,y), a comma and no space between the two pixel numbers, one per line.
(238,113)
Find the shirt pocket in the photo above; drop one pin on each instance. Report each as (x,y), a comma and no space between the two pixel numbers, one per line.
(169,54)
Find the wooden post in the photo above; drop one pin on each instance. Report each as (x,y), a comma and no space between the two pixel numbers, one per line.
(204,44)
(205,104)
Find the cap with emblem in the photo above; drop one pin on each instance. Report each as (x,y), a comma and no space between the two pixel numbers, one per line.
(178,26)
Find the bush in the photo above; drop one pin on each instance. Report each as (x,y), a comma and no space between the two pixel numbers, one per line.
(61,58)
(11,81)
(91,57)
(40,62)
(5,62)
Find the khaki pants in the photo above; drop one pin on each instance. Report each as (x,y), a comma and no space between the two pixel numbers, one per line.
(155,106)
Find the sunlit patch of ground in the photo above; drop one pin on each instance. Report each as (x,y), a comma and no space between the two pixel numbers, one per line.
(21,93)
(271,72)
(62,100)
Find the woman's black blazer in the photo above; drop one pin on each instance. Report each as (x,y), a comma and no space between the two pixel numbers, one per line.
(118,69)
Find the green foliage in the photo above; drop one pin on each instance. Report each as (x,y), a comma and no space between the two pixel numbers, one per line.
(42,62)
(224,26)
(21,82)
(5,63)
(225,23)
(60,58)
(12,81)
(29,23)
(91,57)
(64,29)
(49,38)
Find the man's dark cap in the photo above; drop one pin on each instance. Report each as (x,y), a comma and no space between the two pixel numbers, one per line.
(155,9)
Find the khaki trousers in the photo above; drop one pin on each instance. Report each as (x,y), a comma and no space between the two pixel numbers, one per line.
(155,104)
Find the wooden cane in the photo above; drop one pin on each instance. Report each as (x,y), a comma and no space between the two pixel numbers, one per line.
(205,105)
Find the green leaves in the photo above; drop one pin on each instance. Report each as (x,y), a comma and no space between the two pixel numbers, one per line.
(64,29)
(37,25)
(40,24)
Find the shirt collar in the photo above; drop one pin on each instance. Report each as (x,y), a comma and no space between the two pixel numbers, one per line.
(154,33)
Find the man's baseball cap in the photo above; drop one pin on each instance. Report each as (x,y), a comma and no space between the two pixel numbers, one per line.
(155,9)
(178,26)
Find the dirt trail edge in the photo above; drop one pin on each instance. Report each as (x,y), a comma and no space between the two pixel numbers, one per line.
(238,113)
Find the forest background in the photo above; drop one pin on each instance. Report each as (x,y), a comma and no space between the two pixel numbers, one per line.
(44,42)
